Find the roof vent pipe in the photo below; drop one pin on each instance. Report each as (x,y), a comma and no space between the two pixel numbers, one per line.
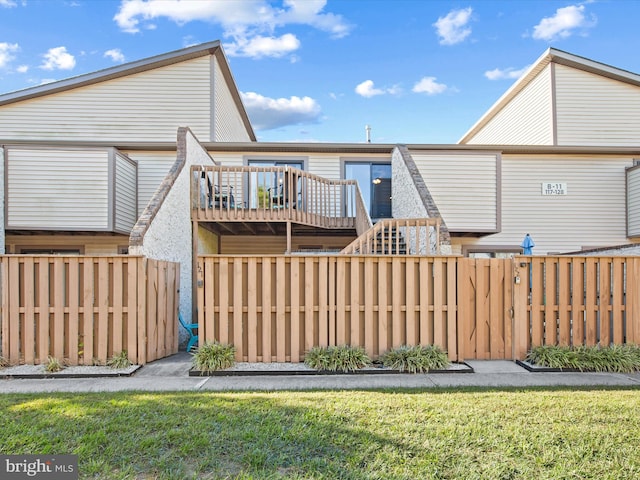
(367,129)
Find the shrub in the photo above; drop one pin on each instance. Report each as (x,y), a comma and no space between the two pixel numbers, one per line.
(615,358)
(416,359)
(120,360)
(337,358)
(3,362)
(53,365)
(214,356)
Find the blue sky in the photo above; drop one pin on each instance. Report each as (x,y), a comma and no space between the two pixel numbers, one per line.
(416,71)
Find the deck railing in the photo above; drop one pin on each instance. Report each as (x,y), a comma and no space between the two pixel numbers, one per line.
(417,236)
(259,194)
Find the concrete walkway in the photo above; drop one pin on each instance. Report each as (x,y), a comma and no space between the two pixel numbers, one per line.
(172,374)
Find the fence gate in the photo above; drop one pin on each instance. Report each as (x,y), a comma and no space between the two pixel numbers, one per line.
(485,308)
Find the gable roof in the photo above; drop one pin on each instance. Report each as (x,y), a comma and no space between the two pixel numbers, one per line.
(551,55)
(138,66)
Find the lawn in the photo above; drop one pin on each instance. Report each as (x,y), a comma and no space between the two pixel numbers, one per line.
(473,434)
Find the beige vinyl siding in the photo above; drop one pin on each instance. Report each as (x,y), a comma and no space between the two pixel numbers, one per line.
(126,209)
(526,120)
(87,244)
(59,189)
(152,168)
(633,202)
(592,214)
(228,159)
(594,110)
(277,245)
(148,106)
(228,123)
(463,187)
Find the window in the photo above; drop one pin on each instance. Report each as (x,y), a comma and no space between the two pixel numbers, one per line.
(265,186)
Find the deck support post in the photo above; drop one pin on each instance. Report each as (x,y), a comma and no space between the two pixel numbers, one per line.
(288,238)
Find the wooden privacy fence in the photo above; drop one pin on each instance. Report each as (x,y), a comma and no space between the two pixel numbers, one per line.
(577,300)
(83,309)
(275,308)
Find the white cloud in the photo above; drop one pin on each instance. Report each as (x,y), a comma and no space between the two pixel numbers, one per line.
(58,59)
(368,90)
(269,113)
(259,46)
(249,25)
(115,54)
(8,3)
(506,73)
(452,28)
(22,69)
(563,24)
(429,86)
(6,50)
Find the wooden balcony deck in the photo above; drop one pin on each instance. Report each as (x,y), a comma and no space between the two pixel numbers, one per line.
(267,200)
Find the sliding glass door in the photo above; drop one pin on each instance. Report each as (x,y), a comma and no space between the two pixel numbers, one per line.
(374,180)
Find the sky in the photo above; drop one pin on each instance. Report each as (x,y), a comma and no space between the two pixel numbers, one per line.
(414,71)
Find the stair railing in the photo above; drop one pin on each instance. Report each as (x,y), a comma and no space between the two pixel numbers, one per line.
(412,236)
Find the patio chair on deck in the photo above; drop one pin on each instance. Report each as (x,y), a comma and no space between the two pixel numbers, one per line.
(191,329)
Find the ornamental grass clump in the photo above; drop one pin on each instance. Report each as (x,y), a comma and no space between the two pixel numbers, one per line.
(416,359)
(3,362)
(337,358)
(121,360)
(214,356)
(614,358)
(53,365)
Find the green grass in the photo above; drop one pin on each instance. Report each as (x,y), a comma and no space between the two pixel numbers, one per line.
(473,434)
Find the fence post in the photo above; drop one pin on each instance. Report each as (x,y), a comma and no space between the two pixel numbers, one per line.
(633,300)
(520,315)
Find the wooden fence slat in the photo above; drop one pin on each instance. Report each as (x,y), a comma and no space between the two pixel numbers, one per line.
(604,312)
(117,307)
(496,298)
(398,327)
(452,313)
(577,301)
(384,340)
(633,300)
(424,325)
(281,318)
(143,272)
(354,320)
(58,309)
(323,301)
(617,296)
(266,309)
(564,299)
(223,299)
(43,307)
(132,310)
(296,352)
(73,283)
(4,307)
(410,301)
(237,323)
(520,310)
(341,295)
(29,321)
(537,301)
(591,299)
(310,325)
(439,330)
(207,306)
(550,322)
(252,309)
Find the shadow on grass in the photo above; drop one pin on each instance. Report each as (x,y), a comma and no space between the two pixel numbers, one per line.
(395,434)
